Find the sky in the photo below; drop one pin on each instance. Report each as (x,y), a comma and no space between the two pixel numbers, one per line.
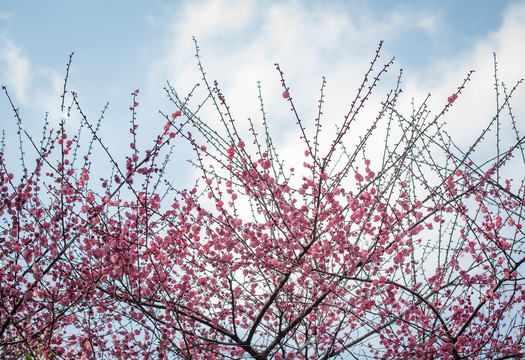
(120,46)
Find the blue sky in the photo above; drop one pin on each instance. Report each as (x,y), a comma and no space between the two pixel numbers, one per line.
(123,45)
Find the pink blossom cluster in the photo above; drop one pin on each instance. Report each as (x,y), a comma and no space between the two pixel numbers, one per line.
(417,254)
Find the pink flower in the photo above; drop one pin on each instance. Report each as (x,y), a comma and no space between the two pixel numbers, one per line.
(231,152)
(176,114)
(286,94)
(452,98)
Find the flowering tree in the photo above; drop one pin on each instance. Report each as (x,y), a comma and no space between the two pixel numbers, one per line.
(411,252)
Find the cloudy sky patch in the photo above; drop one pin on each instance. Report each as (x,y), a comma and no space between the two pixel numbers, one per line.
(122,46)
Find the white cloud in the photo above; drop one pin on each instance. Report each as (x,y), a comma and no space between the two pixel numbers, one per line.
(476,106)
(14,68)
(7,15)
(34,87)
(240,42)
